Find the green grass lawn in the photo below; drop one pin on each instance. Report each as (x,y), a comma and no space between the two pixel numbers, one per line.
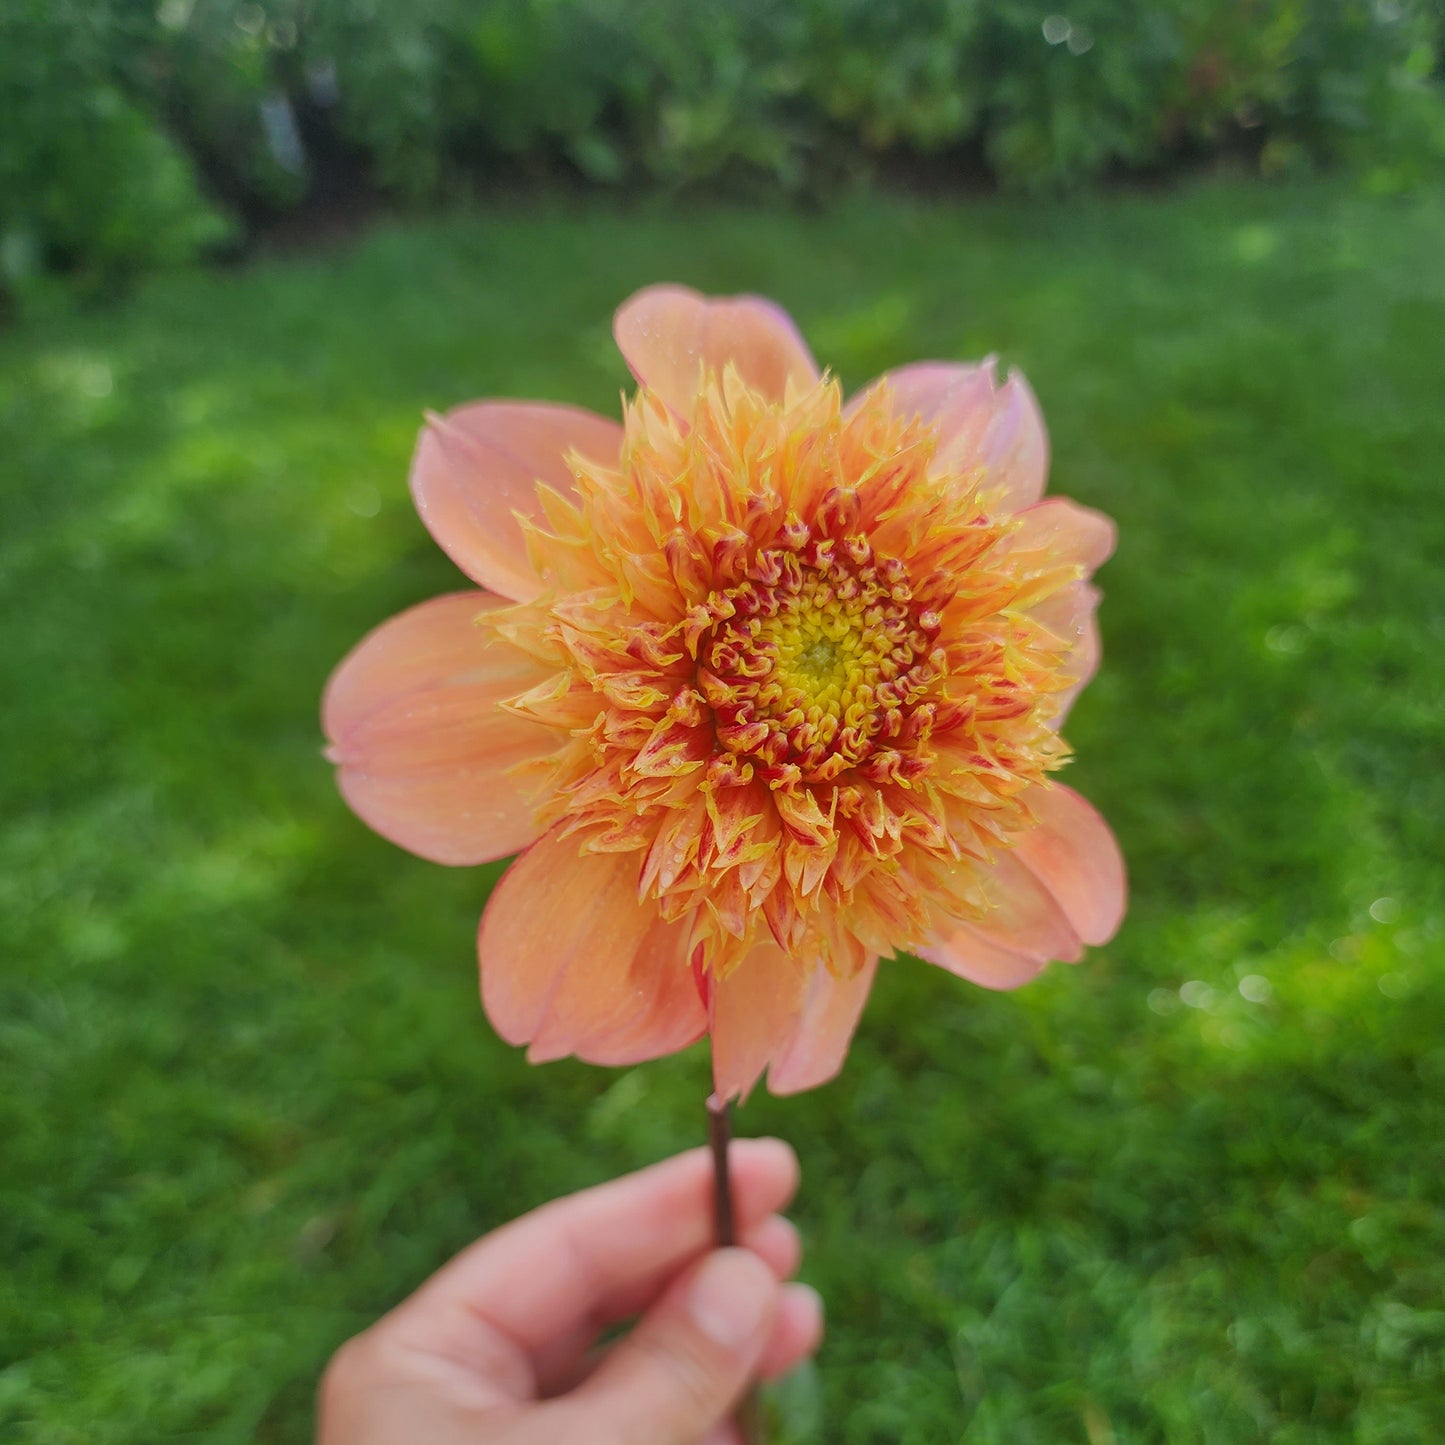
(1189,1191)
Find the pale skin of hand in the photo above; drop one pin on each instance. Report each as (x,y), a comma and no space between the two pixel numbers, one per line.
(499,1346)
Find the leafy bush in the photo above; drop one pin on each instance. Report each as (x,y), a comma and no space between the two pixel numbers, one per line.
(436,96)
(678,91)
(897,73)
(225,73)
(88,177)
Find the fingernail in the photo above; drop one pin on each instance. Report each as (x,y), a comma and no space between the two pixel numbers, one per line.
(730,1297)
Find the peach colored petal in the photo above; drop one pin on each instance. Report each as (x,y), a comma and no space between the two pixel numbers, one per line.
(979,424)
(572,964)
(667,334)
(930,389)
(1023,932)
(1025,917)
(478,465)
(1013,445)
(1069,615)
(969,955)
(422,747)
(1074,855)
(755,1010)
(1059,887)
(832,1007)
(607,1015)
(1060,529)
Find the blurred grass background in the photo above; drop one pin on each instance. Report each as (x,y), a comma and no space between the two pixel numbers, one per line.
(1189,1191)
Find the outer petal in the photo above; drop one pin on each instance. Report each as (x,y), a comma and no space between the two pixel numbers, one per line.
(1025,930)
(979,424)
(832,1007)
(478,465)
(424,751)
(969,955)
(1059,887)
(572,964)
(667,334)
(1074,855)
(1061,531)
(755,1011)
(1069,615)
(931,389)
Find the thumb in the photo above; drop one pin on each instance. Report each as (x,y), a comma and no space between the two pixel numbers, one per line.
(680,1371)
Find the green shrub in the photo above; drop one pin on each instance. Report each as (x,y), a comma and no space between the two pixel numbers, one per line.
(681,91)
(435,96)
(896,73)
(215,67)
(89,180)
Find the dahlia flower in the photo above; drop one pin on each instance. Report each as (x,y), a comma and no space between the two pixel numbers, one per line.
(765,685)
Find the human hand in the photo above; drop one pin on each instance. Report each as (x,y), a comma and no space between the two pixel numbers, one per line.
(497,1347)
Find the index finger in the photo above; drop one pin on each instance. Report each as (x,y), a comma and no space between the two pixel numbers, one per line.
(543,1274)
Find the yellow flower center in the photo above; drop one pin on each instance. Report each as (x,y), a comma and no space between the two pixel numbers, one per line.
(823,650)
(819,657)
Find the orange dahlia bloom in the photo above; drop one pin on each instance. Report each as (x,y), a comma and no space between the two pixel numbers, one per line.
(765,683)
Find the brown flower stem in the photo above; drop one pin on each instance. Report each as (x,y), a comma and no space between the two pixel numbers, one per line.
(720,1134)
